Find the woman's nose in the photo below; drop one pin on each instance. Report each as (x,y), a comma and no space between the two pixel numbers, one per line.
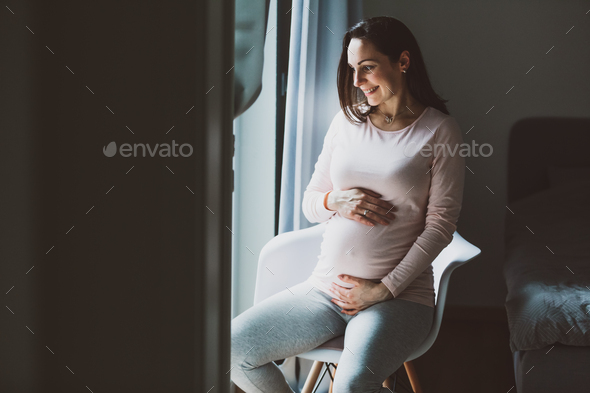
(357,79)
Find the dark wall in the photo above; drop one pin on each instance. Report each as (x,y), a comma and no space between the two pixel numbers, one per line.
(114,298)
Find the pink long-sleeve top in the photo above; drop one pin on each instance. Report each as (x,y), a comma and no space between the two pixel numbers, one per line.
(425,187)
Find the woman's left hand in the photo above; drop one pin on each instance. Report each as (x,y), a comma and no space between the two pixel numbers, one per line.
(364,294)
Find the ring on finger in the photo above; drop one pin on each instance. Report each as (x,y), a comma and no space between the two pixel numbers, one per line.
(365,213)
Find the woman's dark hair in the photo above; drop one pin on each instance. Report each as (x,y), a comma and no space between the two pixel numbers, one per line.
(390,37)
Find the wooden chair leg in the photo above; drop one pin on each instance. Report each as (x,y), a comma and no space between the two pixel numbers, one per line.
(388,383)
(411,371)
(312,378)
(331,381)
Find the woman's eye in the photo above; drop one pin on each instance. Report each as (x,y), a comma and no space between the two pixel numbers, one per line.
(365,68)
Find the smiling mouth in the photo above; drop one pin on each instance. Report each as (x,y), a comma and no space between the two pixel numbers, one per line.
(370,91)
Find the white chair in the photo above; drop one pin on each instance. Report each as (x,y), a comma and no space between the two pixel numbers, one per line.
(289,259)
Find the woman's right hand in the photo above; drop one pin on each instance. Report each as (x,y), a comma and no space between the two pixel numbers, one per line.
(353,203)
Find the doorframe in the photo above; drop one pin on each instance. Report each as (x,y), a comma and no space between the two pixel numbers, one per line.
(215,27)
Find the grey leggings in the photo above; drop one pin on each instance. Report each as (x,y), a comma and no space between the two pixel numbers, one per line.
(378,339)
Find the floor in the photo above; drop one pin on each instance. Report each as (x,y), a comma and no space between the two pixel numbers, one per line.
(471,354)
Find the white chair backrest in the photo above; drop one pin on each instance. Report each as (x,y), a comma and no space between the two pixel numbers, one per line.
(458,252)
(289,258)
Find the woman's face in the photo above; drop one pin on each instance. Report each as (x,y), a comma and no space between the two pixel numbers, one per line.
(373,73)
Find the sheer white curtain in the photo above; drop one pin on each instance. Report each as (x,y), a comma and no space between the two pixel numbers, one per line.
(317,29)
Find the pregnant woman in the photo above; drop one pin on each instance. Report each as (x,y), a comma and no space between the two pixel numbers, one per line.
(390,188)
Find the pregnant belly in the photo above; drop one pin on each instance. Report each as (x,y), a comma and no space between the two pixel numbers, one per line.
(349,247)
